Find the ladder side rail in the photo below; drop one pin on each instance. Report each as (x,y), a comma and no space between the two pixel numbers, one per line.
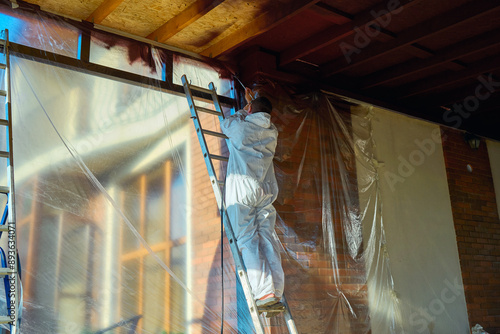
(12,233)
(201,139)
(290,323)
(242,275)
(218,107)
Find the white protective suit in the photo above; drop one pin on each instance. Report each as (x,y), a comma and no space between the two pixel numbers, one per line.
(251,188)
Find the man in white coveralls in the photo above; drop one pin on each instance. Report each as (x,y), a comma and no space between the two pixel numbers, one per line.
(251,188)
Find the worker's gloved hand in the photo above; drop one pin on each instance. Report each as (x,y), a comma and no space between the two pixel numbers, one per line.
(248,95)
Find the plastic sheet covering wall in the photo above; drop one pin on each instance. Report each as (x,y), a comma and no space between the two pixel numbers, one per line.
(119,230)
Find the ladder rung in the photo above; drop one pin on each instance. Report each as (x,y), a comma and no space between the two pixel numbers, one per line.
(3,66)
(208,111)
(4,228)
(215,134)
(3,92)
(200,89)
(4,122)
(4,154)
(5,320)
(4,190)
(218,157)
(6,271)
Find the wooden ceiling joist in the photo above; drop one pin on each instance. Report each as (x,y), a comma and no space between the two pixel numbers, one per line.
(101,12)
(330,13)
(441,80)
(261,24)
(182,20)
(413,34)
(457,95)
(336,33)
(450,53)
(490,105)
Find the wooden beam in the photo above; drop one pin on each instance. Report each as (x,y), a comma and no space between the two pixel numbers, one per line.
(450,53)
(183,19)
(331,14)
(491,105)
(261,24)
(336,33)
(441,80)
(106,8)
(457,95)
(412,35)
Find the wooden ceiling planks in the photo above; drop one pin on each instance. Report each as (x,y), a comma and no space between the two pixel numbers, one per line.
(432,83)
(140,17)
(104,9)
(412,35)
(259,25)
(183,19)
(70,8)
(459,50)
(337,33)
(217,24)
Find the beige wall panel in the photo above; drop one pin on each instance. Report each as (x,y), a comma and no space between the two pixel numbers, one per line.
(422,254)
(494,155)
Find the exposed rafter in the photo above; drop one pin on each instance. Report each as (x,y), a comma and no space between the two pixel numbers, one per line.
(182,20)
(490,105)
(412,35)
(441,80)
(106,8)
(336,33)
(261,24)
(331,14)
(450,53)
(457,95)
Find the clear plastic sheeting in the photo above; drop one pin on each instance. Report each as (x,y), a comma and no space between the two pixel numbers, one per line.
(118,226)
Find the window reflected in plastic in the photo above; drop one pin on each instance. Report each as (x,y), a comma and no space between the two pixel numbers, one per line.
(201,74)
(126,55)
(47,34)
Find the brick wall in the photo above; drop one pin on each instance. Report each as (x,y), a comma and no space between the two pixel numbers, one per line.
(477,227)
(326,287)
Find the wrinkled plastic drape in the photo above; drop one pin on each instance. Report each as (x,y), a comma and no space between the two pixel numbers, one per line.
(118,226)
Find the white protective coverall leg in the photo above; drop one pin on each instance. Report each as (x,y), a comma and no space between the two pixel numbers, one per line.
(253,228)
(251,188)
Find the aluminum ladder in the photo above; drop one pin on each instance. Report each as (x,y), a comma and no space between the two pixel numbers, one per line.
(9,268)
(217,186)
